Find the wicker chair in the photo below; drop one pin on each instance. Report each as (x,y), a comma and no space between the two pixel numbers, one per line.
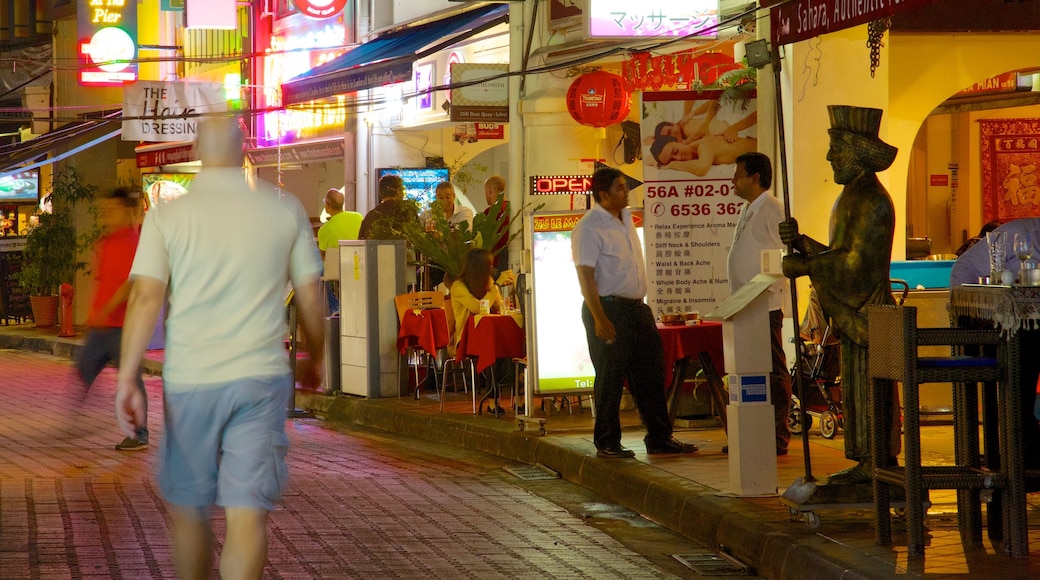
(894,339)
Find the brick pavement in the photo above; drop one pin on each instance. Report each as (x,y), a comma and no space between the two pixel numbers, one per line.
(360,505)
(682,493)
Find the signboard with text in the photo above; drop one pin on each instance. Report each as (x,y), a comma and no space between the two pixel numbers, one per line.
(165,111)
(478,99)
(107,41)
(624,19)
(802,19)
(690,207)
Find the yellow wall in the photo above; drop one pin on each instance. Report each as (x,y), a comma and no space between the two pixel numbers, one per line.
(917,73)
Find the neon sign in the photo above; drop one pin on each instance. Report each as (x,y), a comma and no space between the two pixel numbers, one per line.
(107,31)
(320,8)
(561,184)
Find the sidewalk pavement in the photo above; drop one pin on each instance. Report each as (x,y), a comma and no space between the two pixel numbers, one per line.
(685,493)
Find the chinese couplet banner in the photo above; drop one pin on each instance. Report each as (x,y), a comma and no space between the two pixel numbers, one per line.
(1010,158)
(690,144)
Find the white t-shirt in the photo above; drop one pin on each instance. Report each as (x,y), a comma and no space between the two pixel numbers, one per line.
(612,248)
(228,253)
(758,228)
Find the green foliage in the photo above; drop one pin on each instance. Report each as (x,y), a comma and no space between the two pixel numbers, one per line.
(446,246)
(51,247)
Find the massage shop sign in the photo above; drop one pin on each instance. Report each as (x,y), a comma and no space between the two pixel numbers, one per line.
(168,111)
(689,206)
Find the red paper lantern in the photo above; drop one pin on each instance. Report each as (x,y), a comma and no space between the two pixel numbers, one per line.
(598,99)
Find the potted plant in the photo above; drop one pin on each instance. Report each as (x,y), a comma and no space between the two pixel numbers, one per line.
(51,247)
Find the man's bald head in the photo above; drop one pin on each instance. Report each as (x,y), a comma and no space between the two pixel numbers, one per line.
(334,200)
(493,187)
(220,142)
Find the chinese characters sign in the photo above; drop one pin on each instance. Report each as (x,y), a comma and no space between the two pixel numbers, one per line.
(107,33)
(1010,162)
(627,19)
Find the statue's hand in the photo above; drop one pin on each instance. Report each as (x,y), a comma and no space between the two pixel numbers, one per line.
(789,231)
(795,265)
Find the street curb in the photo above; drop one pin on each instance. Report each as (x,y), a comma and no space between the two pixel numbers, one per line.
(683,506)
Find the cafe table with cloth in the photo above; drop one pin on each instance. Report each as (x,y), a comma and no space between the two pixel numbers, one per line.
(488,337)
(1015,311)
(682,345)
(427,329)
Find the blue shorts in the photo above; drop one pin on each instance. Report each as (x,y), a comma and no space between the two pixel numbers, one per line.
(225,444)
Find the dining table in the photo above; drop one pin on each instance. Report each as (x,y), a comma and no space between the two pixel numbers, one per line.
(426,329)
(1015,311)
(683,345)
(489,337)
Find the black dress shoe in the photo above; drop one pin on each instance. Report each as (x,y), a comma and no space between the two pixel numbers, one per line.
(780,452)
(725,449)
(671,445)
(498,412)
(618,452)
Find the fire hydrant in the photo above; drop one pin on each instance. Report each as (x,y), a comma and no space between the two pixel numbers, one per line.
(66,293)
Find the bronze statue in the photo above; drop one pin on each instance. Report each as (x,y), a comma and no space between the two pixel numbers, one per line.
(853,271)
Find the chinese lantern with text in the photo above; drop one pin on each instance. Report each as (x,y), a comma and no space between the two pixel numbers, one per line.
(598,99)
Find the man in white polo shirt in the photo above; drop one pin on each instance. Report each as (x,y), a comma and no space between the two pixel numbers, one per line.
(620,327)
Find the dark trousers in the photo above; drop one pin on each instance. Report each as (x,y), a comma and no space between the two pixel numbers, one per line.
(635,356)
(779,379)
(99,349)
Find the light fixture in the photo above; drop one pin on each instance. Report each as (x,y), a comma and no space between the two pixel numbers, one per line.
(757,53)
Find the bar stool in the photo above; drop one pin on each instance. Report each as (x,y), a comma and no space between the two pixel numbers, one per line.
(892,356)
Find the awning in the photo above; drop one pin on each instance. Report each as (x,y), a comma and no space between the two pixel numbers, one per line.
(169,153)
(388,59)
(18,157)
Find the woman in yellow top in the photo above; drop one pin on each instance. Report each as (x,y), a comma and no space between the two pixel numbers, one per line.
(474,284)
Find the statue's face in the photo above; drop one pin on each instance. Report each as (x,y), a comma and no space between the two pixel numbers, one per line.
(843,160)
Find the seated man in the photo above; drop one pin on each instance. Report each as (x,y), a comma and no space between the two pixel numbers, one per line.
(698,157)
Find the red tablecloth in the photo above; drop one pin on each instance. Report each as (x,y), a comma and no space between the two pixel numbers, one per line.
(428,330)
(689,341)
(497,336)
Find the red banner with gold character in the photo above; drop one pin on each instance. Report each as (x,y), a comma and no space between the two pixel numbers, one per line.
(1010,160)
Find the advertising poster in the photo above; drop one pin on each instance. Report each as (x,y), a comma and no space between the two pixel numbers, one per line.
(690,144)
(1010,159)
(559,352)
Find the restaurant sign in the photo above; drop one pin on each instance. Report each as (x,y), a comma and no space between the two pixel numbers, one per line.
(802,19)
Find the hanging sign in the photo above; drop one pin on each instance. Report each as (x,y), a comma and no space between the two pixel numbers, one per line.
(320,8)
(107,40)
(802,19)
(165,111)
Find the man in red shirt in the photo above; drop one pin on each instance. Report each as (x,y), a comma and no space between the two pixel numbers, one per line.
(113,256)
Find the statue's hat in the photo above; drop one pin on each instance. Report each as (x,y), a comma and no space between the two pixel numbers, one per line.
(861,125)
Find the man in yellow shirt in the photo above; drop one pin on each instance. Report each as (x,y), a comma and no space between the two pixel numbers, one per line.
(342,225)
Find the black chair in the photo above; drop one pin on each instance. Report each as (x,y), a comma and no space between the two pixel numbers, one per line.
(894,339)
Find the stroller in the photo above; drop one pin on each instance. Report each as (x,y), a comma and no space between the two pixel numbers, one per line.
(821,368)
(821,371)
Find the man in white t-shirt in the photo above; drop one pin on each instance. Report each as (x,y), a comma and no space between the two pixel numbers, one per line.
(758,228)
(226,378)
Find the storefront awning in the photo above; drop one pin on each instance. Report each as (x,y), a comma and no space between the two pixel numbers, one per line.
(18,157)
(388,59)
(159,154)
(791,21)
